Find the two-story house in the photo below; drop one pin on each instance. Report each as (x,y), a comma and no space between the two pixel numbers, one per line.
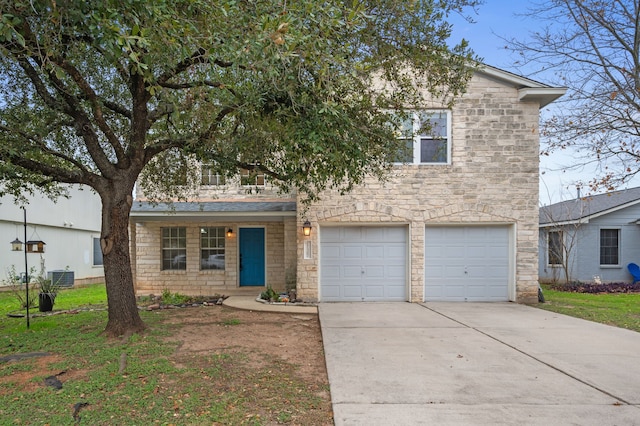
(457,219)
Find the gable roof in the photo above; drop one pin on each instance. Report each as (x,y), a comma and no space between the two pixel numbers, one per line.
(585,208)
(528,90)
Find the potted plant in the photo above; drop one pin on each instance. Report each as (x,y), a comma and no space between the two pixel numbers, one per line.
(48,290)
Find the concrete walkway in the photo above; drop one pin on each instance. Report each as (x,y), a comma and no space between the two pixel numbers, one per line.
(250,303)
(477,364)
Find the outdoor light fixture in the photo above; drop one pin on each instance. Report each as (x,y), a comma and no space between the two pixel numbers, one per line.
(16,245)
(306,228)
(229,232)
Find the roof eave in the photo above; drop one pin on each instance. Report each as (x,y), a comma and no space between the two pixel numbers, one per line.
(542,95)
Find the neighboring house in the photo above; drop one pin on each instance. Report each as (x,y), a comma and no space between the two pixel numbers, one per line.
(69,227)
(592,238)
(456,221)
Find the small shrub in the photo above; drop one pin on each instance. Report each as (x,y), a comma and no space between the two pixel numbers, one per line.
(269,294)
(169,298)
(580,287)
(19,289)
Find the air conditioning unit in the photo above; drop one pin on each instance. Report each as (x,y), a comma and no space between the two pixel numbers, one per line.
(61,277)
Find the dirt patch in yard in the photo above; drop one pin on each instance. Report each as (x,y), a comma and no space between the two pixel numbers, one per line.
(275,359)
(243,367)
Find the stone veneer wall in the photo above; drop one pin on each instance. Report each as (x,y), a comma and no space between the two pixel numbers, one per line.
(150,278)
(492,179)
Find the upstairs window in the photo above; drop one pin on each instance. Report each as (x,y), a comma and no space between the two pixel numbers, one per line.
(609,247)
(426,136)
(252,177)
(210,178)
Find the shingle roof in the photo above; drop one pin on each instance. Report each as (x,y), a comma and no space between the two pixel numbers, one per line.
(589,206)
(142,207)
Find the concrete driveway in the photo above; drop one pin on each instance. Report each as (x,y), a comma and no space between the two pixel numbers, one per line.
(477,364)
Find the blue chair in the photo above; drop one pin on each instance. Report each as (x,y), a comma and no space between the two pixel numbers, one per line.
(634,270)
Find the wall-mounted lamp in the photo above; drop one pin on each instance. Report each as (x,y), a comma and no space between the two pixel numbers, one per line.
(16,245)
(306,228)
(229,232)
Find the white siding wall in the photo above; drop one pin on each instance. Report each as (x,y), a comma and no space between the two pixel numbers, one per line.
(67,226)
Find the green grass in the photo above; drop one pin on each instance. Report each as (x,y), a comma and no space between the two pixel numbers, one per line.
(617,309)
(155,388)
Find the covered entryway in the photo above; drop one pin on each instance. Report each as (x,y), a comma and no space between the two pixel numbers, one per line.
(363,263)
(467,263)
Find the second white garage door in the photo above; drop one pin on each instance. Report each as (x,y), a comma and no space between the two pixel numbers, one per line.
(363,263)
(467,263)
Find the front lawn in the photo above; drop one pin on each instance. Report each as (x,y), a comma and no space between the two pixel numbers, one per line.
(193,366)
(617,309)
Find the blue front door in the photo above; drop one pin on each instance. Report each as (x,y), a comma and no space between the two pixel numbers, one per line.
(252,263)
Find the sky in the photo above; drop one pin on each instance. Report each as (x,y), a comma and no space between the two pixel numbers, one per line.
(495,21)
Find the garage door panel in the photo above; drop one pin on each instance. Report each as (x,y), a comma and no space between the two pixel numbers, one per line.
(374,252)
(351,272)
(352,252)
(374,272)
(373,233)
(397,251)
(351,291)
(375,291)
(332,252)
(467,263)
(371,262)
(332,272)
(349,234)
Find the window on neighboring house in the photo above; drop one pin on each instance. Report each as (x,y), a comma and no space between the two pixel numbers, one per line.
(555,248)
(252,177)
(426,136)
(97,252)
(609,246)
(174,249)
(212,247)
(209,177)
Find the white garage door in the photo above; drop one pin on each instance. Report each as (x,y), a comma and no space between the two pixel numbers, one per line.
(361,263)
(467,263)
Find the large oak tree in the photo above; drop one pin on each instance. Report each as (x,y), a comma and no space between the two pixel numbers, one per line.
(105,93)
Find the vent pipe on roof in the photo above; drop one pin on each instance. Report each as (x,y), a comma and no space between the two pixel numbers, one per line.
(578,191)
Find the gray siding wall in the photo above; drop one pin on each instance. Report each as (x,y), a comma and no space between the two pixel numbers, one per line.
(585,261)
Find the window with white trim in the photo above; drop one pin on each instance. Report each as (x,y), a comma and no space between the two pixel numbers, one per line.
(174,249)
(427,138)
(555,248)
(210,178)
(610,247)
(212,247)
(252,177)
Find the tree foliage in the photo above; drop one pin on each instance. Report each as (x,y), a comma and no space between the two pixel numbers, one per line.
(593,47)
(103,93)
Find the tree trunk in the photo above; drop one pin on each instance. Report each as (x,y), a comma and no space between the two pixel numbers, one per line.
(124,318)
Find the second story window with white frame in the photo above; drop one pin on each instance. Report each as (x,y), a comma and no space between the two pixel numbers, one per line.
(427,136)
(252,177)
(210,178)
